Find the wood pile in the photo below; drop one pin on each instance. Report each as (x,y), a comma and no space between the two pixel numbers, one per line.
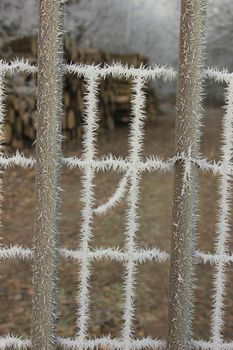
(114,97)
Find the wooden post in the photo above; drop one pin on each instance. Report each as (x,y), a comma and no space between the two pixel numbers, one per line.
(185,173)
(48,161)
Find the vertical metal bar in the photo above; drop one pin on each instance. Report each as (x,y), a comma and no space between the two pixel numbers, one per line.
(224,223)
(188,117)
(89,151)
(48,161)
(135,154)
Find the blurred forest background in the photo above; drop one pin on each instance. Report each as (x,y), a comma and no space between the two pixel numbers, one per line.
(127,26)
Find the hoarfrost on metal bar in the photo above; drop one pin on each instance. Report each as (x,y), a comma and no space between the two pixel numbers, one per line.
(131,168)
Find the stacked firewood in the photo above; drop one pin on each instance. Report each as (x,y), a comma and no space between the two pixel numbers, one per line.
(114,97)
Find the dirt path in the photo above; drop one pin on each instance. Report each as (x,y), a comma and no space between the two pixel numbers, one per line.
(106,280)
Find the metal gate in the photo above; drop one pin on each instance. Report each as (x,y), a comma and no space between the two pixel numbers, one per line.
(186,164)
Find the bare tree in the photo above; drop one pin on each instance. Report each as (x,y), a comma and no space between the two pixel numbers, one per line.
(220,24)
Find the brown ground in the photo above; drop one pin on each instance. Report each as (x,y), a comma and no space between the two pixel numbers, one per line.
(106,279)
